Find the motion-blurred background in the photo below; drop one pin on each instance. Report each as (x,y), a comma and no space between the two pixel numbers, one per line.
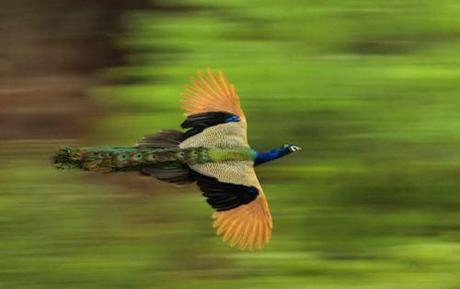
(369,89)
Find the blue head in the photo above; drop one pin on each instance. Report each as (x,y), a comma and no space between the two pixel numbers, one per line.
(263,157)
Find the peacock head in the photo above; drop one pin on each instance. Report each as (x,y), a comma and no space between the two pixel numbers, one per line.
(292,148)
(276,153)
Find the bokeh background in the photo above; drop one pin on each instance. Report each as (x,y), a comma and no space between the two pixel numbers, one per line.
(369,89)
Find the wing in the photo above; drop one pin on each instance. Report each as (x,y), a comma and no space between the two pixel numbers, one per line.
(209,103)
(211,92)
(248,226)
(225,196)
(196,123)
(232,188)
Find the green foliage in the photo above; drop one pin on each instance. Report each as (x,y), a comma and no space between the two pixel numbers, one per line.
(369,89)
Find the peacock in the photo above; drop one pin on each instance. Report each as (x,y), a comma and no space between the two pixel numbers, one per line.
(213,151)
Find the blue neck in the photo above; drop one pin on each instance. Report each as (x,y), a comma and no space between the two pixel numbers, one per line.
(263,157)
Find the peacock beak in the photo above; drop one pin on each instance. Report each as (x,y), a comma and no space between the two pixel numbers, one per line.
(294,148)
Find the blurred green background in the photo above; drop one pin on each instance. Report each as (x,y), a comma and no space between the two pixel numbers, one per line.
(369,89)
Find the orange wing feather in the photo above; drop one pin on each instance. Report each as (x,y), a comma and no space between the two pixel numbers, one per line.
(248,226)
(211,92)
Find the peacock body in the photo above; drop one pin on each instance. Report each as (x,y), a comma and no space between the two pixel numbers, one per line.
(213,152)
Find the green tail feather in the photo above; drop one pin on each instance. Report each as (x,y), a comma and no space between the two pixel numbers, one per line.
(115,158)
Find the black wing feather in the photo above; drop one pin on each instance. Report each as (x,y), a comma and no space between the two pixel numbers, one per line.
(198,122)
(224,196)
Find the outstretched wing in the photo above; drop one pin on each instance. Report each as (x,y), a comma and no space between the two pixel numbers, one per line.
(211,92)
(233,190)
(208,103)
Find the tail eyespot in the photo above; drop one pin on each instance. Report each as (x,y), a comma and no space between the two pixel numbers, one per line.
(136,156)
(122,157)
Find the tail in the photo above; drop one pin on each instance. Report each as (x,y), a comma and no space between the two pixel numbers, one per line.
(156,155)
(68,158)
(99,159)
(174,172)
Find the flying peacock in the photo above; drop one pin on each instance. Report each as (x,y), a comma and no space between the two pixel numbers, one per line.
(213,152)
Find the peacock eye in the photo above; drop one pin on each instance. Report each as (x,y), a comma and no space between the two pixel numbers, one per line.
(122,157)
(139,156)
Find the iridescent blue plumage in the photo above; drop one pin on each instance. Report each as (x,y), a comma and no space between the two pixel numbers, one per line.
(263,157)
(232,118)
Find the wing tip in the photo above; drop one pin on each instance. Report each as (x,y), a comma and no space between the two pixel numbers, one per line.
(242,230)
(210,90)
